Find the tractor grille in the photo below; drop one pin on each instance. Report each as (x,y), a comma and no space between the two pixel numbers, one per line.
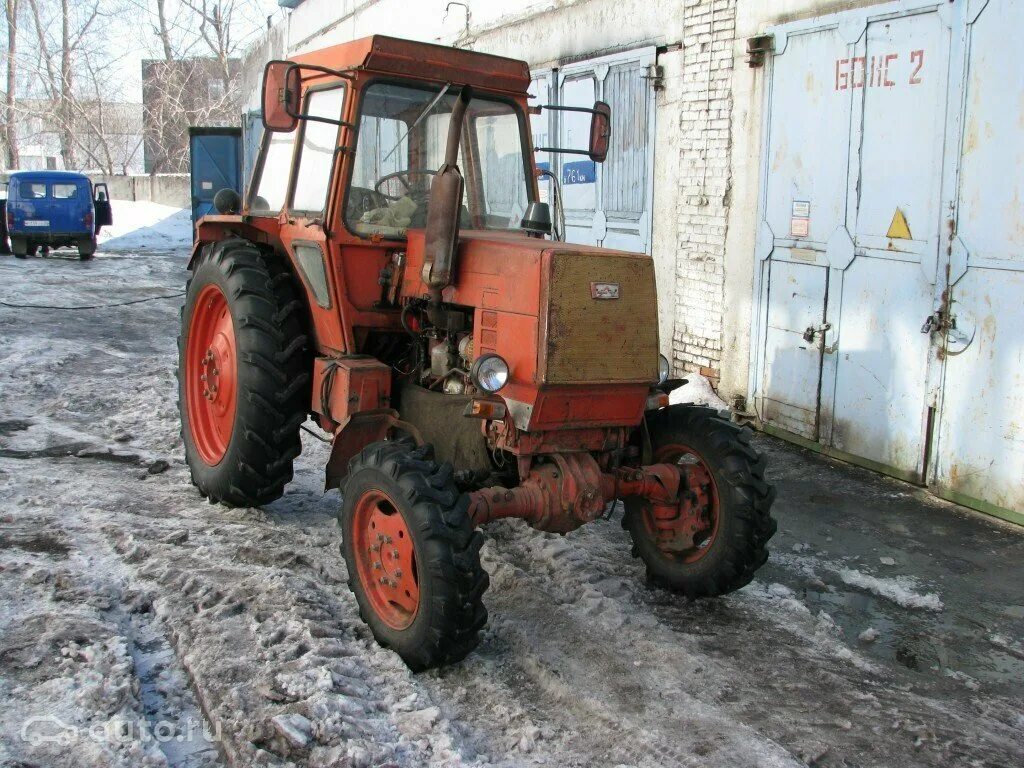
(597,340)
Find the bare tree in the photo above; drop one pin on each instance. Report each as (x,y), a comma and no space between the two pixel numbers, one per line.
(194,75)
(10,98)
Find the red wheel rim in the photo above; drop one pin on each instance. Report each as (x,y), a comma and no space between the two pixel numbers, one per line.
(211,375)
(699,517)
(385,559)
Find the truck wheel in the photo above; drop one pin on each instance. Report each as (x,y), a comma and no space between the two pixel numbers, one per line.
(22,248)
(87,248)
(243,374)
(718,546)
(413,556)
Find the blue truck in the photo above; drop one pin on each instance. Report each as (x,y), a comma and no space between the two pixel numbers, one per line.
(51,209)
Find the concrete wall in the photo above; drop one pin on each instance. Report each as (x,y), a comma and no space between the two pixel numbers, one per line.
(167,189)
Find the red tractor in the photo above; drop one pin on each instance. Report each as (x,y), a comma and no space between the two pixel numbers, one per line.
(393,273)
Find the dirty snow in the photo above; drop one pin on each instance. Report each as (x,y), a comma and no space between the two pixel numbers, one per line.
(141,626)
(902,590)
(697,389)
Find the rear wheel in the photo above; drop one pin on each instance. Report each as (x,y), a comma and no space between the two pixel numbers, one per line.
(87,248)
(22,247)
(413,556)
(243,374)
(718,539)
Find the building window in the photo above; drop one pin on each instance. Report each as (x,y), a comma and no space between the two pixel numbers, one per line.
(215,88)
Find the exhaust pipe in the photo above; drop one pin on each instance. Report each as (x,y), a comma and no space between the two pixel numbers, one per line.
(442,232)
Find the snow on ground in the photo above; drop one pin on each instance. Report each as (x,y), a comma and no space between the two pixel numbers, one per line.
(901,590)
(141,626)
(140,224)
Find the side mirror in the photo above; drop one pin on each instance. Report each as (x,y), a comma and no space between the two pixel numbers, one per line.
(600,131)
(282,89)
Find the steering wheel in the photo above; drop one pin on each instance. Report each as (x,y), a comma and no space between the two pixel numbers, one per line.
(402,177)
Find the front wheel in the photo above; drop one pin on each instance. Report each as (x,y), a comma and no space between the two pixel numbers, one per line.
(413,556)
(719,537)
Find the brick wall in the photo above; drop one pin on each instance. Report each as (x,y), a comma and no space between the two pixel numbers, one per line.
(704,180)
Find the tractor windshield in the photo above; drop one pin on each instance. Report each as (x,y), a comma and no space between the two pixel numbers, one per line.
(402,134)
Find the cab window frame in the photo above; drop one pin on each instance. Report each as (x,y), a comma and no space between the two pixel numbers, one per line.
(434,87)
(298,147)
(257,175)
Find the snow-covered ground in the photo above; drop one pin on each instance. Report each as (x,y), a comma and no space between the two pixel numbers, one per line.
(141,225)
(141,626)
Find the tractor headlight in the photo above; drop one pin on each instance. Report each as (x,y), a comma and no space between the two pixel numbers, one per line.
(664,370)
(489,372)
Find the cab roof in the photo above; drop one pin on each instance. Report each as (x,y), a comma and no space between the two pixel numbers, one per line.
(49,175)
(411,58)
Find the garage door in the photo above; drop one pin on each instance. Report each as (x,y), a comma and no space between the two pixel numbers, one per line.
(878,265)
(608,204)
(980,436)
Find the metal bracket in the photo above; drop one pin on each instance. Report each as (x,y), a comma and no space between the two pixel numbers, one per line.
(758,47)
(765,242)
(959,256)
(839,249)
(656,76)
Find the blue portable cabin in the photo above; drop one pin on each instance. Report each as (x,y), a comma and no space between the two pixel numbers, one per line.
(54,209)
(215,161)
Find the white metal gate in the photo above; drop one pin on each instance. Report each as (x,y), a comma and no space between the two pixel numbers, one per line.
(608,204)
(890,245)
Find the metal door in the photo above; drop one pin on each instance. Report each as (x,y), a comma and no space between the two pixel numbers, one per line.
(215,161)
(880,408)
(980,441)
(609,204)
(803,205)
(851,216)
(921,367)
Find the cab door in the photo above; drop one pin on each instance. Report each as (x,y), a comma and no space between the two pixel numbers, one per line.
(310,204)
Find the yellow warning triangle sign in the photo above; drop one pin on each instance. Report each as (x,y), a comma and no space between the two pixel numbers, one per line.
(899,229)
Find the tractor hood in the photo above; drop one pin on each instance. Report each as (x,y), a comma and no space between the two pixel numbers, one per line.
(560,313)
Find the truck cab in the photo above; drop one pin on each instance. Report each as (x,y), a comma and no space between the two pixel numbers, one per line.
(54,209)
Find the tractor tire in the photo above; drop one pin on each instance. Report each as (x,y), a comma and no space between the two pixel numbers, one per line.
(87,248)
(243,374)
(729,491)
(413,555)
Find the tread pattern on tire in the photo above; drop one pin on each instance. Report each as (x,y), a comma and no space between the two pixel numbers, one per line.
(274,375)
(747,492)
(448,552)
